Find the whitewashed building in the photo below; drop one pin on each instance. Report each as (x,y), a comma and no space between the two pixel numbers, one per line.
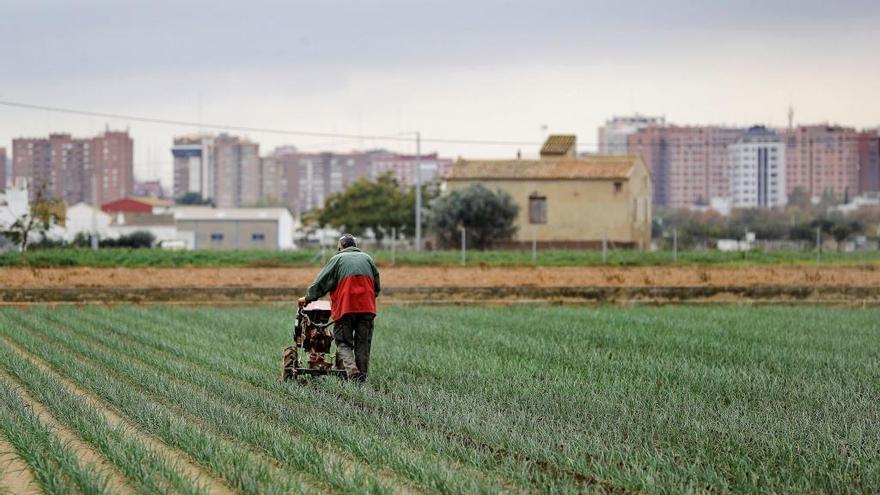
(757,170)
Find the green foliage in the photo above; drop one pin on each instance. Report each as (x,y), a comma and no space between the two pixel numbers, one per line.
(43,212)
(487,216)
(136,240)
(474,400)
(192,198)
(376,206)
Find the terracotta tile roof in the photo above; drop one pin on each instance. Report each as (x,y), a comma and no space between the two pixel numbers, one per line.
(558,144)
(599,167)
(150,200)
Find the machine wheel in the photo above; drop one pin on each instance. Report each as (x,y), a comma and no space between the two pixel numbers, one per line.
(288,364)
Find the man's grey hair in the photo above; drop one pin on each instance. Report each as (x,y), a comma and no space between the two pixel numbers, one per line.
(347,241)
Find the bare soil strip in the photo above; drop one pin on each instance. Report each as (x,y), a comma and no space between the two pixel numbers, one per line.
(15,476)
(85,452)
(188,467)
(399,277)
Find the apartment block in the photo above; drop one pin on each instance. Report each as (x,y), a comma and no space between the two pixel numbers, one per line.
(2,168)
(822,160)
(194,166)
(72,169)
(224,169)
(614,134)
(757,170)
(868,143)
(688,165)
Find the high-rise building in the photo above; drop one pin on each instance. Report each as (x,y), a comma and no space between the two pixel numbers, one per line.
(869,161)
(613,135)
(224,169)
(688,164)
(403,167)
(113,160)
(72,169)
(2,168)
(194,166)
(237,172)
(822,160)
(303,181)
(757,170)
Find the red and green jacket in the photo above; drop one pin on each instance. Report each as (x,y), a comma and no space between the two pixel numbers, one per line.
(352,280)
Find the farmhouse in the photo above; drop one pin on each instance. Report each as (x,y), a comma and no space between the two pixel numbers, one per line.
(569,201)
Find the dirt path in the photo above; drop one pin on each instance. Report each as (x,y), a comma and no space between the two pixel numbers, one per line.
(188,467)
(422,277)
(15,476)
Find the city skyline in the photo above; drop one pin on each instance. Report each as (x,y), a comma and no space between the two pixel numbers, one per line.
(482,72)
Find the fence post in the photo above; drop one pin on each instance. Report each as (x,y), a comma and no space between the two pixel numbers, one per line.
(393,244)
(534,246)
(818,245)
(463,246)
(675,245)
(604,247)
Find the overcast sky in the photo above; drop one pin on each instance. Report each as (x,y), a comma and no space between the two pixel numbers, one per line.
(473,69)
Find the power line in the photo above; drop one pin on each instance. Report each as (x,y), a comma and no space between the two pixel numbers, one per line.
(264,130)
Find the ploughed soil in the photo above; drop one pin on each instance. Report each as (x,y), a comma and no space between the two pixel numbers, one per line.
(463,277)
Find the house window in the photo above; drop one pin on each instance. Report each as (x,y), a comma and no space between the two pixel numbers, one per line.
(258,237)
(618,187)
(537,209)
(216,237)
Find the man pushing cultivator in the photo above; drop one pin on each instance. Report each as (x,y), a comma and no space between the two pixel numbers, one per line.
(352,280)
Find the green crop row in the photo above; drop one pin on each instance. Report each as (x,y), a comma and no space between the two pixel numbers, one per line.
(482,400)
(137,258)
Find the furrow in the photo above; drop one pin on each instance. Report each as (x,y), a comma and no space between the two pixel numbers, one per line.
(228,419)
(240,468)
(185,351)
(15,475)
(439,479)
(174,458)
(85,452)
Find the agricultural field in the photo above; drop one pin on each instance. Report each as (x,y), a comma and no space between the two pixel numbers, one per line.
(140,258)
(460,400)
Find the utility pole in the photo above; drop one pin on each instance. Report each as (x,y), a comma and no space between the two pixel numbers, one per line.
(94,239)
(418,191)
(674,245)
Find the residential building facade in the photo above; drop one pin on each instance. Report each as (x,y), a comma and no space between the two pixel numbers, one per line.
(757,170)
(2,168)
(613,136)
(823,160)
(688,165)
(869,161)
(76,170)
(194,166)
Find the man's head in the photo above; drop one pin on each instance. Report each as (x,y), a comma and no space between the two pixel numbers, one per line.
(346,241)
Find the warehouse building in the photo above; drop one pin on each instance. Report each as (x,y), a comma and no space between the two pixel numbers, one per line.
(202,227)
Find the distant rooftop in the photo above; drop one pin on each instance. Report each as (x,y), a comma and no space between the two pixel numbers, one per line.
(593,167)
(559,145)
(208,213)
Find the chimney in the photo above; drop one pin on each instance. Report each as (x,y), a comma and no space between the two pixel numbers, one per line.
(559,146)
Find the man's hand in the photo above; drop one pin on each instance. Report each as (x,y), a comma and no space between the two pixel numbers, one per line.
(301,301)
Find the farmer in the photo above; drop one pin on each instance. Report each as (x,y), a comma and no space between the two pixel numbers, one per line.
(352,280)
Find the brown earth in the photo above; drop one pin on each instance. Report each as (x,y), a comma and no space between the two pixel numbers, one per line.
(425,277)
(15,477)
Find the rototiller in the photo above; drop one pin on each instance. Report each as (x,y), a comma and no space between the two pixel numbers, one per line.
(312,339)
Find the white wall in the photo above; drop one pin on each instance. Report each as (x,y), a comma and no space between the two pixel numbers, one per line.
(79,219)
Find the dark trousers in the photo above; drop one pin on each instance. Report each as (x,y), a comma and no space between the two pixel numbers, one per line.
(354,334)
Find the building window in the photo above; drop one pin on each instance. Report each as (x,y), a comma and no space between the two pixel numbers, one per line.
(537,209)
(618,187)
(216,237)
(258,237)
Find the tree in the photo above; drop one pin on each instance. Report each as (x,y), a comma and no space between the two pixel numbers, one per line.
(366,205)
(488,216)
(41,214)
(799,197)
(192,198)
